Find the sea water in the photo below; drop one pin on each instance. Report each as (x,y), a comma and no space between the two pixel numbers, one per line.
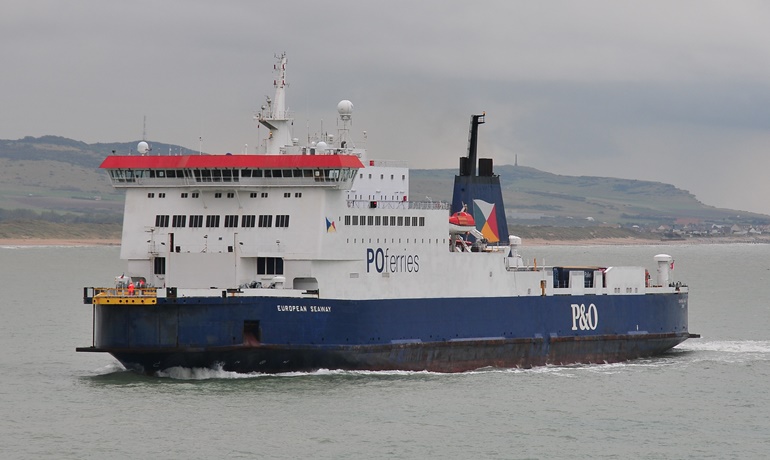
(708,398)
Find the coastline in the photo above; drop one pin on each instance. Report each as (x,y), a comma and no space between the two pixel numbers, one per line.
(761,239)
(59,242)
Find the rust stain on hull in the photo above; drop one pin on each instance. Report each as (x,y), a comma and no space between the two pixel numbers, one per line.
(459,356)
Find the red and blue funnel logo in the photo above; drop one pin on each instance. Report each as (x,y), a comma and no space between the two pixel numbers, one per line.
(485,215)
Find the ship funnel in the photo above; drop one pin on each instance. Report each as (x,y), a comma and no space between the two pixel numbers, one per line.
(482,192)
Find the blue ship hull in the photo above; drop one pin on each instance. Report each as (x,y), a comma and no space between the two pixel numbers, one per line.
(275,334)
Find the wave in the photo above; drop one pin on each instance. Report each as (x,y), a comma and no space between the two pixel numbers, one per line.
(727,346)
(184,373)
(727,351)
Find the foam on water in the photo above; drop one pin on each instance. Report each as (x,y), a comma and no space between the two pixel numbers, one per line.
(183,373)
(111,368)
(729,346)
(568,371)
(731,351)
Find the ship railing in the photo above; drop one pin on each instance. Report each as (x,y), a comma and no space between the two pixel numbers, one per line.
(145,292)
(366,204)
(429,205)
(388,163)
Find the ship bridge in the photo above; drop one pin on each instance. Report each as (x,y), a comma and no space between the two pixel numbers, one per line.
(334,171)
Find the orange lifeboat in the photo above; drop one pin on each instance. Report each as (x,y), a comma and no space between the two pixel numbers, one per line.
(461,222)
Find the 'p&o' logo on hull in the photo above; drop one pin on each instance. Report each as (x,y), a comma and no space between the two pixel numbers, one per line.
(584,318)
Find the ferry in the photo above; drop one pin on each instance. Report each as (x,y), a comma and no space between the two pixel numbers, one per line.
(314,256)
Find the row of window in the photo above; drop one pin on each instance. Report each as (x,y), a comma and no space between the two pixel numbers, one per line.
(213,220)
(265,266)
(382,176)
(228,194)
(393,221)
(232,175)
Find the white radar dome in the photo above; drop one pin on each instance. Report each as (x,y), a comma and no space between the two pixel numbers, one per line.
(143,148)
(345,109)
(322,146)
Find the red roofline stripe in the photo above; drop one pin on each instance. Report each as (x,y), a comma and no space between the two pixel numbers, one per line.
(231,161)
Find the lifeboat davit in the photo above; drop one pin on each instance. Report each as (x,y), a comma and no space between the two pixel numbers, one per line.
(461,222)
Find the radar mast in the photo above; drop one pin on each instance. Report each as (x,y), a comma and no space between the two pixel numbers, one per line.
(274,115)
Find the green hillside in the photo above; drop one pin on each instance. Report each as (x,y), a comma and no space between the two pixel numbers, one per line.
(541,198)
(52,173)
(57,180)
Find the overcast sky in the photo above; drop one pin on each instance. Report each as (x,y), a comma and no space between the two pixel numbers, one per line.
(669,91)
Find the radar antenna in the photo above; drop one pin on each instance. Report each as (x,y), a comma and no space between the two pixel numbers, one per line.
(143,148)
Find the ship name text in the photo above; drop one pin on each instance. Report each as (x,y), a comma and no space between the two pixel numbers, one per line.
(305,308)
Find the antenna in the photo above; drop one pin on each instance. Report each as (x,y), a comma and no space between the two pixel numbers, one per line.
(144,128)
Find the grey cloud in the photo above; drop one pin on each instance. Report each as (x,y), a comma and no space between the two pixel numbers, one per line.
(654,90)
